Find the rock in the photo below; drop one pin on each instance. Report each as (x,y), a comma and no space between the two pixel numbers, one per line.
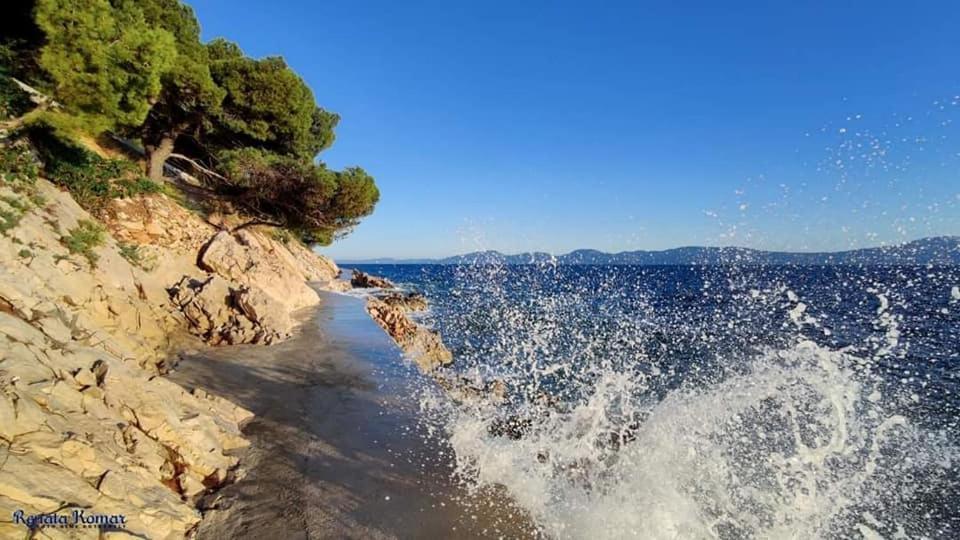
(314,267)
(337,285)
(422,345)
(112,448)
(258,262)
(409,301)
(85,378)
(465,389)
(157,221)
(86,418)
(268,275)
(221,314)
(361,280)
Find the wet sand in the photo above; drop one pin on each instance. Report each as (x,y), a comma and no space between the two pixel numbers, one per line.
(337,450)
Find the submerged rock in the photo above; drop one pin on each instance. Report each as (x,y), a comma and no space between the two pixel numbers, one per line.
(465,389)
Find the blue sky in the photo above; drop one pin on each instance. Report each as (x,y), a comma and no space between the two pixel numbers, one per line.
(629,125)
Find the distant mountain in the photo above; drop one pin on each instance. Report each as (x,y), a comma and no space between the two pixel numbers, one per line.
(936,250)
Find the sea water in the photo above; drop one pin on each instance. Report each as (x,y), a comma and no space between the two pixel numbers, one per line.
(705,401)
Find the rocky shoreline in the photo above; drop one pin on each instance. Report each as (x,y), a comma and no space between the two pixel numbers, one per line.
(389,307)
(338,447)
(88,420)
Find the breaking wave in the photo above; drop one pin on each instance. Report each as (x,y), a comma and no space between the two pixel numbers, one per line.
(703,403)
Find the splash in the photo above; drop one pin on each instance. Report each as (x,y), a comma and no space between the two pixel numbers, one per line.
(794,449)
(711,415)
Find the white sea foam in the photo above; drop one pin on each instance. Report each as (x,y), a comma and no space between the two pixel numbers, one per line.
(800,442)
(796,448)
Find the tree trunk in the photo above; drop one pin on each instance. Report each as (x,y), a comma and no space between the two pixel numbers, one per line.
(157,155)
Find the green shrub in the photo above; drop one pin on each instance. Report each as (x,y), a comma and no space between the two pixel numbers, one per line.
(18,167)
(140,186)
(14,102)
(281,235)
(83,238)
(11,212)
(9,219)
(132,253)
(92,180)
(19,170)
(17,204)
(25,253)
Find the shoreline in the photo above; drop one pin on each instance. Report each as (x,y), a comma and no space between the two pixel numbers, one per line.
(337,445)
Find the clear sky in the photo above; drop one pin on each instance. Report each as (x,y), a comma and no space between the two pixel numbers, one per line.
(550,126)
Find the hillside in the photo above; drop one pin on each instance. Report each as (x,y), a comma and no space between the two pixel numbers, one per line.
(94,306)
(936,250)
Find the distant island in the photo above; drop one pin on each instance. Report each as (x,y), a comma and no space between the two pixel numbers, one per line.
(940,250)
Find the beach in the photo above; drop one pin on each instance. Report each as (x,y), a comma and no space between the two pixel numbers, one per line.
(337,446)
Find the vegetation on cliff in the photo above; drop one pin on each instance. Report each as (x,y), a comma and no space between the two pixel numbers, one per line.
(250,128)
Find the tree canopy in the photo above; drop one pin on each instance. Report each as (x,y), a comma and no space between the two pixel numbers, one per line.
(317,203)
(139,68)
(106,63)
(266,106)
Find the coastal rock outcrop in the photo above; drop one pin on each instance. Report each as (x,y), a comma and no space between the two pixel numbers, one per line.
(251,259)
(407,301)
(221,314)
(422,345)
(87,327)
(240,287)
(362,280)
(85,421)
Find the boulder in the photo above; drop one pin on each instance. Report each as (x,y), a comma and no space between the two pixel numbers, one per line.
(252,259)
(361,280)
(222,314)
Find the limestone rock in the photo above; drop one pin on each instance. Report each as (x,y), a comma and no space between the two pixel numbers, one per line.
(156,220)
(408,301)
(422,345)
(112,437)
(252,259)
(361,280)
(221,314)
(85,420)
(314,267)
(337,285)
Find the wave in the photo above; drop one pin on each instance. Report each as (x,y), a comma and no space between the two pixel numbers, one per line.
(799,441)
(797,448)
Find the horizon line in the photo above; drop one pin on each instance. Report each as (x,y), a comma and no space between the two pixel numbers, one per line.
(882,245)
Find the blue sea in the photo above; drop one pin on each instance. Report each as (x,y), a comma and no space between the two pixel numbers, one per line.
(704,401)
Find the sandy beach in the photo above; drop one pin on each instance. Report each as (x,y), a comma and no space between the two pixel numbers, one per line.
(337,449)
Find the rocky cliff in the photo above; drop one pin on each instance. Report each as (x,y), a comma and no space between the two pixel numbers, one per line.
(90,312)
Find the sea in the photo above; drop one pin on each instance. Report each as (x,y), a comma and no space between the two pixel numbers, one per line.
(720,402)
